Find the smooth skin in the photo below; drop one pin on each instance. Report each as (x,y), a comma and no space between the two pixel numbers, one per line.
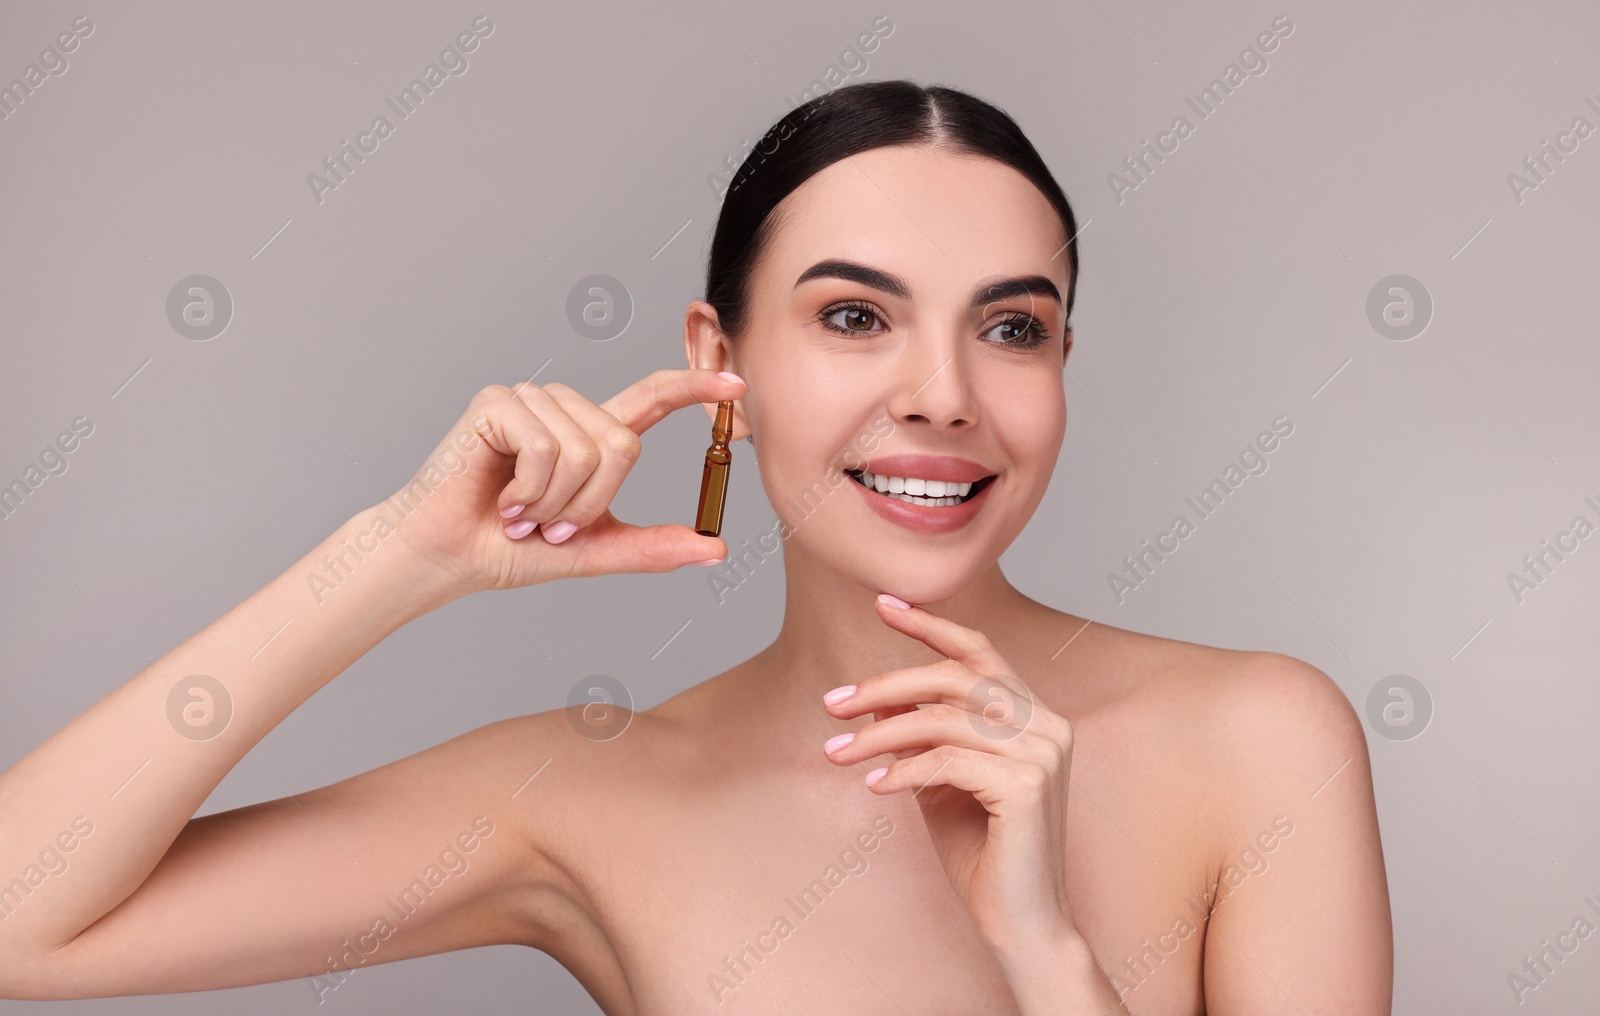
(1063,816)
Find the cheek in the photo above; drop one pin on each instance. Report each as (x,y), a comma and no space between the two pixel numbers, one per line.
(1030,418)
(809,403)
(801,434)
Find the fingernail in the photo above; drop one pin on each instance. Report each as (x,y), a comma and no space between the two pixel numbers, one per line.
(709,561)
(517,530)
(836,742)
(876,775)
(893,601)
(839,694)
(560,531)
(509,510)
(730,375)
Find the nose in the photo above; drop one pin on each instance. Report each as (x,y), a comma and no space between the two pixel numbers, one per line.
(932,385)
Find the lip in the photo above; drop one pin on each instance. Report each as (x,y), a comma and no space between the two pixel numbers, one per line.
(948,468)
(924,518)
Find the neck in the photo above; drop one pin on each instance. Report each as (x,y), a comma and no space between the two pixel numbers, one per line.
(832,636)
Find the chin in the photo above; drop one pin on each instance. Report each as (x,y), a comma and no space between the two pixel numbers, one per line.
(923,593)
(918,574)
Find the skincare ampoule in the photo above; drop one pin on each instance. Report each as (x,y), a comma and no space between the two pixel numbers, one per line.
(714,480)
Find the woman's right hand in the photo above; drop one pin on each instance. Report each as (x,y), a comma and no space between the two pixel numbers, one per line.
(544,456)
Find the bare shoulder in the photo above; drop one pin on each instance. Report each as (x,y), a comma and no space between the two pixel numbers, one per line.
(1277,726)
(1243,699)
(1253,730)
(553,765)
(553,771)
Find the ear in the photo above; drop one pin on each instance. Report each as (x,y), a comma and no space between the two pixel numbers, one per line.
(707,348)
(1066,348)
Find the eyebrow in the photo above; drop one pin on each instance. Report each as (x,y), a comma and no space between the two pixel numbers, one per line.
(851,271)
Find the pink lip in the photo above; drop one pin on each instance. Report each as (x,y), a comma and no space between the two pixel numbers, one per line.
(929,467)
(924,518)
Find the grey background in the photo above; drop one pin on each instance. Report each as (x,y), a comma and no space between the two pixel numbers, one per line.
(1228,289)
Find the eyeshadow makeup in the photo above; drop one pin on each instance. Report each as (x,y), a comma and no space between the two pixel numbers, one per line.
(714,481)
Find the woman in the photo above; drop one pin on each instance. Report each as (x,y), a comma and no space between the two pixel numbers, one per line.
(974,804)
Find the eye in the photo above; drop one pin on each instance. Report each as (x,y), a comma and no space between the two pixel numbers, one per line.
(1020,331)
(857,318)
(1025,331)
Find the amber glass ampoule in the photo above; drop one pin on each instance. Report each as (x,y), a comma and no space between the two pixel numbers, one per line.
(714,480)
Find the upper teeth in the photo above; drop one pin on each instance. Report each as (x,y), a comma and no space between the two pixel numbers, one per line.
(915,486)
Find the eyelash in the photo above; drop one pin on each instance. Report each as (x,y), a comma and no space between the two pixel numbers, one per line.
(1036,329)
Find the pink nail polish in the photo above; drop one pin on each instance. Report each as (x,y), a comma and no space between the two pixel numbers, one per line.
(876,775)
(839,694)
(730,375)
(559,531)
(836,742)
(893,601)
(512,511)
(517,530)
(709,561)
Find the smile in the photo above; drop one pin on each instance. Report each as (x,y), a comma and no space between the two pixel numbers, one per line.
(932,495)
(927,493)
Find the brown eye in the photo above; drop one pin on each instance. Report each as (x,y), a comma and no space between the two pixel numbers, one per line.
(858,320)
(1026,332)
(1010,330)
(849,319)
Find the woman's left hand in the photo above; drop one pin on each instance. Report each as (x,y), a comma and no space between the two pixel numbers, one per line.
(988,764)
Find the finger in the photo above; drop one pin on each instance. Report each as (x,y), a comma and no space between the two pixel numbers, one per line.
(879,715)
(619,450)
(575,459)
(510,428)
(609,547)
(649,400)
(949,681)
(942,635)
(1001,705)
(910,733)
(895,691)
(993,779)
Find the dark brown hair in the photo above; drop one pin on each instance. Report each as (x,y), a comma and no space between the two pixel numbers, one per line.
(842,123)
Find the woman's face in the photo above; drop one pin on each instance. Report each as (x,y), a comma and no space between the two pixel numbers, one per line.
(845,373)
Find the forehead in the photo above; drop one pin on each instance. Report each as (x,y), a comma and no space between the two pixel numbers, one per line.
(945,219)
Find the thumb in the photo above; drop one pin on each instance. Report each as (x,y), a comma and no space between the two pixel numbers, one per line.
(611,547)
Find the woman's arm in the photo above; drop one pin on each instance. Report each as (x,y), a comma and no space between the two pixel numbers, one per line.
(107,886)
(1300,914)
(1301,917)
(90,813)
